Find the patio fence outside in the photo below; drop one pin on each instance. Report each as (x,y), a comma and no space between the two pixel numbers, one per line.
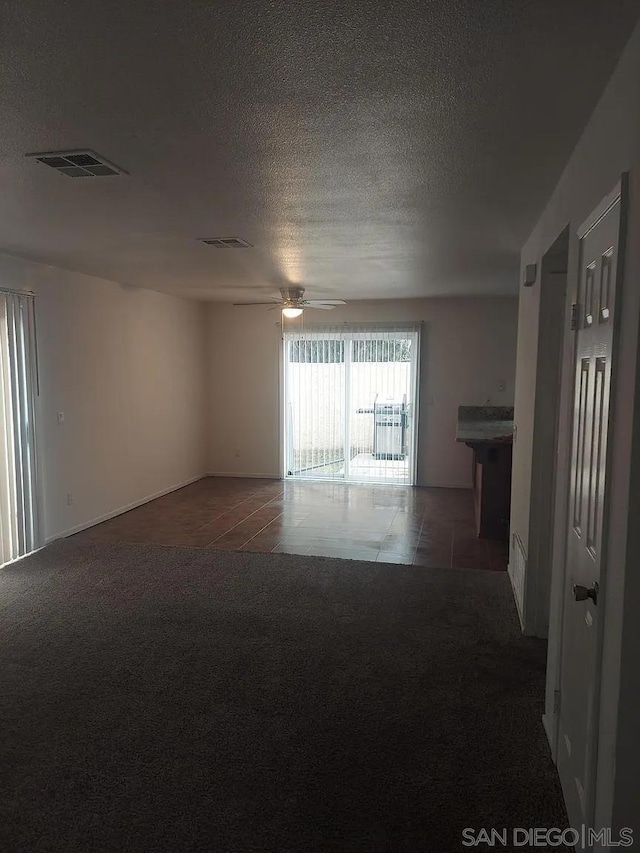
(317,414)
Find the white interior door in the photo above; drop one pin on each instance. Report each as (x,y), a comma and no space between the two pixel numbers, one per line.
(586,539)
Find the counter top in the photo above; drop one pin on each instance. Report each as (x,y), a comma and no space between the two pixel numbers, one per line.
(484,424)
(485,431)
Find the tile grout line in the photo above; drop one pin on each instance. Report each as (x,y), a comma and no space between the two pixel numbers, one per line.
(262,529)
(242,520)
(235,506)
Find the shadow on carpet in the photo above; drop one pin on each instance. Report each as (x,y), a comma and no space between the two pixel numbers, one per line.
(175,699)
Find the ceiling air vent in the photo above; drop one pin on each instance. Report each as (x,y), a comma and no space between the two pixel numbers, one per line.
(228,243)
(78,164)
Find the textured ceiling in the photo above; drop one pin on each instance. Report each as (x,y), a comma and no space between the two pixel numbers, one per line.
(365,150)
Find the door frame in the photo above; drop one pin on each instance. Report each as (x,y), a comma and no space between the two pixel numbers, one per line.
(551,718)
(415,414)
(554,284)
(414,329)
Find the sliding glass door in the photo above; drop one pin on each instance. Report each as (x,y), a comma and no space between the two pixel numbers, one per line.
(20,529)
(350,403)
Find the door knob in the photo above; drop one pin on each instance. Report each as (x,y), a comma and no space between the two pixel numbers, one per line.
(582,593)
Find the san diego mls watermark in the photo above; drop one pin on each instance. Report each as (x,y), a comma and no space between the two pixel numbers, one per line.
(537,836)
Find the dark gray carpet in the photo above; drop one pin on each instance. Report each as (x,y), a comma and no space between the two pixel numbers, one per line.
(174,699)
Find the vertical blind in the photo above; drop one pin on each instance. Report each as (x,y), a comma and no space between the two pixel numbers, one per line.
(350,401)
(20,529)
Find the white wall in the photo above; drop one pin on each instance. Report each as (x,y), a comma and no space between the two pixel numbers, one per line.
(468,346)
(610,145)
(127,368)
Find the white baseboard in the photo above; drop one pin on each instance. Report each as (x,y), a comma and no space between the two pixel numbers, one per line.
(548,730)
(444,485)
(243,475)
(279,477)
(123,509)
(515,597)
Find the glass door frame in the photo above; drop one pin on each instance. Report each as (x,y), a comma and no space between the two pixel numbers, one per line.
(351,333)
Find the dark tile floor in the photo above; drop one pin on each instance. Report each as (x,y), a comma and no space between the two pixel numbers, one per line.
(391,524)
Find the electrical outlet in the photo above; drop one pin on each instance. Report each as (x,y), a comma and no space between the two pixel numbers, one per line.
(69,498)
(60,417)
(502,385)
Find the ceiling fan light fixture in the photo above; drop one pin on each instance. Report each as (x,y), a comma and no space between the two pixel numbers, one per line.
(291,313)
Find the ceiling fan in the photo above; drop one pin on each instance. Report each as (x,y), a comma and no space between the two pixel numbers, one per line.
(292,302)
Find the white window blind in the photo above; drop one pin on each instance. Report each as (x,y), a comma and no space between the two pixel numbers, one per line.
(20,528)
(350,402)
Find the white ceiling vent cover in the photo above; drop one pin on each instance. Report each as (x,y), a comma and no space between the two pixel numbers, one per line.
(228,243)
(79,164)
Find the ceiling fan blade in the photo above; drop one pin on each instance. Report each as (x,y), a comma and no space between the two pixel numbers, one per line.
(326,302)
(240,304)
(320,305)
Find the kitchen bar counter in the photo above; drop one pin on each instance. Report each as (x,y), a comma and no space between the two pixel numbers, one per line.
(481,431)
(484,423)
(488,431)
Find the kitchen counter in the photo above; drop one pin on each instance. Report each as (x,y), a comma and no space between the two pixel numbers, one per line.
(482,424)
(488,431)
(484,431)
